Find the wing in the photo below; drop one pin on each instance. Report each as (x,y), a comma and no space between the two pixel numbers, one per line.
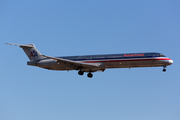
(75,64)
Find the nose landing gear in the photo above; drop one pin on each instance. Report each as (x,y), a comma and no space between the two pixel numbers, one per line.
(164,69)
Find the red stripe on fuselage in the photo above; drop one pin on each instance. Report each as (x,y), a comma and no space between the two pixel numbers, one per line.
(125,60)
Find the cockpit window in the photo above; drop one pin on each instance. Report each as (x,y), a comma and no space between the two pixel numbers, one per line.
(161,55)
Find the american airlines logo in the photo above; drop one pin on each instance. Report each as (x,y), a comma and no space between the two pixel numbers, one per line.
(33,54)
(130,55)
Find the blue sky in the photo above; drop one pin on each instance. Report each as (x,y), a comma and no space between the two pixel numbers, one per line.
(68,27)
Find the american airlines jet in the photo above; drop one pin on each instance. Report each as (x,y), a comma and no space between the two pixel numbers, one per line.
(93,63)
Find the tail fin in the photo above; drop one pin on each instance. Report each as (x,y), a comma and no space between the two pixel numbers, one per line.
(31,51)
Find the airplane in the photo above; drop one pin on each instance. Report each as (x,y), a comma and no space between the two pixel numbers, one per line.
(93,63)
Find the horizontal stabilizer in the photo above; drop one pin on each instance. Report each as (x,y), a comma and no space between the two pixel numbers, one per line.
(27,45)
(30,50)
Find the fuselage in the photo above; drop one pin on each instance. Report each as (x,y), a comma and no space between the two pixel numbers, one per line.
(93,63)
(128,60)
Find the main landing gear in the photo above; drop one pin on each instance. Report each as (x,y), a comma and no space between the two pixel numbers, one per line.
(90,75)
(164,68)
(81,72)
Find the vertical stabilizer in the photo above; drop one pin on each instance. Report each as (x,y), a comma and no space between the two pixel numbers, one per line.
(31,51)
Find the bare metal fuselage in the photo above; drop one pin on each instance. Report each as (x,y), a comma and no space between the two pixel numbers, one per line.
(129,62)
(93,63)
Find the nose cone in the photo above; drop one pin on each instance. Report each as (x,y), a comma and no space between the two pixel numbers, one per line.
(170,62)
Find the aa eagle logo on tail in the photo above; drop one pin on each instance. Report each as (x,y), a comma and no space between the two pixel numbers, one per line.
(33,54)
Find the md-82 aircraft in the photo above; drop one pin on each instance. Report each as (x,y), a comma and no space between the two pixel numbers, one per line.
(93,63)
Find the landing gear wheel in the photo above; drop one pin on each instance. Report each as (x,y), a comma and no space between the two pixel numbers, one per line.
(90,75)
(81,72)
(164,70)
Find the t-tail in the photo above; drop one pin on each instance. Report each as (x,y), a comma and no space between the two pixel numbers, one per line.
(31,51)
